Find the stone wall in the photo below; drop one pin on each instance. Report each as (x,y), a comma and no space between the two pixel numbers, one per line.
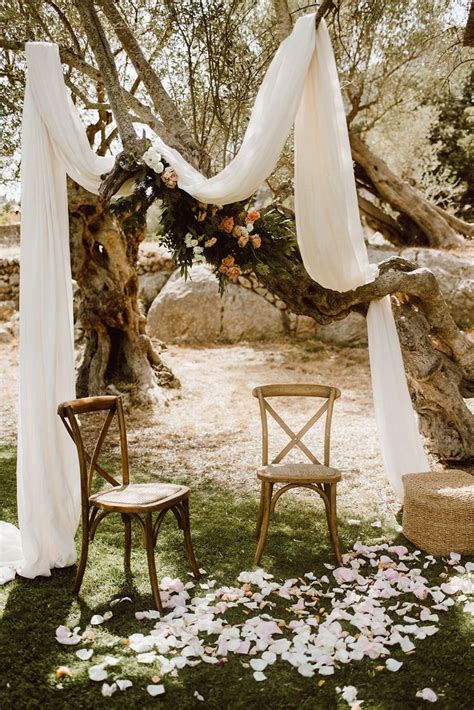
(10,281)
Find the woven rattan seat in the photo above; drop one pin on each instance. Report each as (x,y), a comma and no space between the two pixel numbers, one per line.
(138,495)
(438,511)
(299,472)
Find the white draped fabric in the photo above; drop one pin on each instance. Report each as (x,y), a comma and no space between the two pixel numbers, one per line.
(301,83)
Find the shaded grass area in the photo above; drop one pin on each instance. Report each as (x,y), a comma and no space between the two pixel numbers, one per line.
(222,524)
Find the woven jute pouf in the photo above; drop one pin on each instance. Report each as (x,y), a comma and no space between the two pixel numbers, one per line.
(438,512)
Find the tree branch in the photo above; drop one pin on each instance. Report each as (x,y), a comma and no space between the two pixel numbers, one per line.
(161,101)
(109,76)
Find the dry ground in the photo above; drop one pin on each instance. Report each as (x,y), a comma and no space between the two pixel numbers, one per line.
(211,426)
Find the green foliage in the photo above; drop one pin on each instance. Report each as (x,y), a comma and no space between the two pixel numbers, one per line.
(453,137)
(233,239)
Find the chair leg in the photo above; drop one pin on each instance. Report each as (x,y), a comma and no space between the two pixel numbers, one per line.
(83,559)
(150,553)
(260,513)
(267,489)
(331,516)
(188,545)
(128,541)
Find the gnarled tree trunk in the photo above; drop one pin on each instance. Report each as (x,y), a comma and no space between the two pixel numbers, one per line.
(118,355)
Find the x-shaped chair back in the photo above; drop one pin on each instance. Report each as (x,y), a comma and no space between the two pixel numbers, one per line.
(88,462)
(328,394)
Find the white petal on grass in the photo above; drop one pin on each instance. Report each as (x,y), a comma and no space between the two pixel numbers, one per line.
(155,690)
(97,619)
(66,637)
(146,657)
(84,653)
(427,694)
(259,676)
(198,696)
(111,661)
(97,673)
(258,664)
(393,665)
(108,690)
(123,684)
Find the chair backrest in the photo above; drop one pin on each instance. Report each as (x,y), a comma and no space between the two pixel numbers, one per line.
(328,394)
(88,462)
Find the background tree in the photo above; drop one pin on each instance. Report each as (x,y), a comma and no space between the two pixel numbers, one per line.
(191,73)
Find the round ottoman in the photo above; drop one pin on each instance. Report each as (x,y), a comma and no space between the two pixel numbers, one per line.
(438,511)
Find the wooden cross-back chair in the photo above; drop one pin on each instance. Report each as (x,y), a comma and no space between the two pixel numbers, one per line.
(318,477)
(137,501)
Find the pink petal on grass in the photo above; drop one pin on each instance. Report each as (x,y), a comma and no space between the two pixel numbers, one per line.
(344,575)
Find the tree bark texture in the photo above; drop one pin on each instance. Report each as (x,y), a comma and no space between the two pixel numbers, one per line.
(118,356)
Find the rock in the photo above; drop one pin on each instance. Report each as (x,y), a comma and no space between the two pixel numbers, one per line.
(6,335)
(248,316)
(150,285)
(455,274)
(192,311)
(7,310)
(349,331)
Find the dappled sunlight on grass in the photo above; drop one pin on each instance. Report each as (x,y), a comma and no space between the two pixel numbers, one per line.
(223,519)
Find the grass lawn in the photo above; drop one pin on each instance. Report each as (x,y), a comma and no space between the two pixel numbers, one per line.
(222,523)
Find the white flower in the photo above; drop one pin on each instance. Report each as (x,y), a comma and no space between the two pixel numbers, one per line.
(153,159)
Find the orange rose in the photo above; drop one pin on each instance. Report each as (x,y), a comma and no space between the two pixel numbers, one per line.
(253,216)
(210,242)
(256,241)
(233,273)
(228,261)
(226,224)
(243,240)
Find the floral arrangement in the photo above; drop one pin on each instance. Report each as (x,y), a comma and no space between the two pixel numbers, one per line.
(234,239)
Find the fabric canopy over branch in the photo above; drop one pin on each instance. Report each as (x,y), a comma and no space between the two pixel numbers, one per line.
(302,87)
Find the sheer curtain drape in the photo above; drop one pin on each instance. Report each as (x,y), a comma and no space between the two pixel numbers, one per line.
(301,85)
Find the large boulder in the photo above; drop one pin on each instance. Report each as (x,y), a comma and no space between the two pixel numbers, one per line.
(351,331)
(150,285)
(192,311)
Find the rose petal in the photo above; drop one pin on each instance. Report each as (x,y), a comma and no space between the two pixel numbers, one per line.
(427,694)
(108,690)
(393,665)
(84,653)
(97,673)
(124,684)
(259,676)
(155,690)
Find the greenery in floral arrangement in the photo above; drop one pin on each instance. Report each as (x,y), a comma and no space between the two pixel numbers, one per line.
(234,239)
